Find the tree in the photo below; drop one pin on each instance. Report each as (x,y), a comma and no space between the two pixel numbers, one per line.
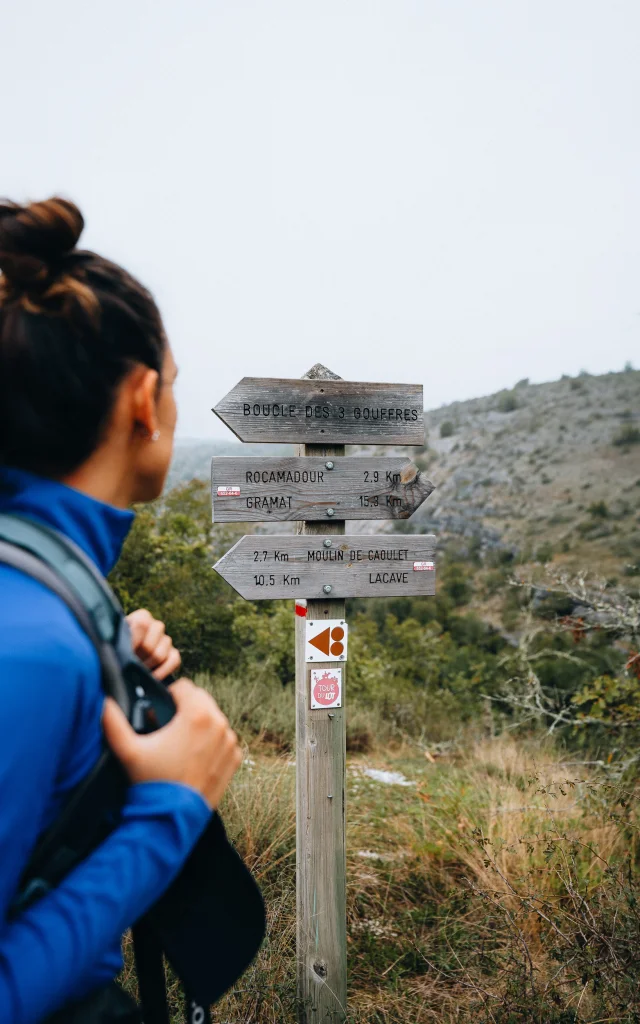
(165,566)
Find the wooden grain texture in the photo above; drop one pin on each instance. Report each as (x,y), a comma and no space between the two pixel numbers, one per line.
(324,411)
(320,813)
(381,565)
(321,489)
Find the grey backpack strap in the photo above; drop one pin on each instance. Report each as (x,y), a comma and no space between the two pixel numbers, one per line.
(61,567)
(59,564)
(71,564)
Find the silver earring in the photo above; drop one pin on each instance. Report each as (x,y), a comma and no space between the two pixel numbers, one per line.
(155,436)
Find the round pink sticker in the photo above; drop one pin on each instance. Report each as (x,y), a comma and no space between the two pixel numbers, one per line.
(326,690)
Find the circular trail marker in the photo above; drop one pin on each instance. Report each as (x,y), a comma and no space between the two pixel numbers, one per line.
(326,688)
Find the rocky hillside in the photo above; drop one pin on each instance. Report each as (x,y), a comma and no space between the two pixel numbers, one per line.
(547,471)
(544,471)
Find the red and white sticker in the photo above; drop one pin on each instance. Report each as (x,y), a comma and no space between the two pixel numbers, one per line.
(228,492)
(301,607)
(326,687)
(423,566)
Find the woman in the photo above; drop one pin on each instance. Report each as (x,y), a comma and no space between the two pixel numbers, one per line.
(87,417)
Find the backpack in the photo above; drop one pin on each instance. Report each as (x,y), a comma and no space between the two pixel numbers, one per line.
(210,923)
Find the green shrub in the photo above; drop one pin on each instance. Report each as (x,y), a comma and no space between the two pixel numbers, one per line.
(446,429)
(544,553)
(507,402)
(456,584)
(598,510)
(165,566)
(626,436)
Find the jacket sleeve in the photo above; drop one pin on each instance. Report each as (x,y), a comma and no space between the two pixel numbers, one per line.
(68,943)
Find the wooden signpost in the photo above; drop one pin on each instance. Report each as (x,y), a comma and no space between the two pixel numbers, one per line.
(258,490)
(382,565)
(320,489)
(318,410)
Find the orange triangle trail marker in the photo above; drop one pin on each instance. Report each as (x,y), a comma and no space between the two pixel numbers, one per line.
(326,640)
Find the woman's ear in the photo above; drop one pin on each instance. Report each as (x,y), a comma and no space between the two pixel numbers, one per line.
(144,399)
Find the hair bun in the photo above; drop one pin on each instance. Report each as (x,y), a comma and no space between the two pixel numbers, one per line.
(35,238)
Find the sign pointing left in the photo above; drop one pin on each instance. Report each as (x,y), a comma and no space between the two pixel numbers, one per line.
(328,637)
(324,411)
(382,565)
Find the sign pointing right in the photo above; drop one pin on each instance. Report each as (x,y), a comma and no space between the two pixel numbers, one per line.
(254,489)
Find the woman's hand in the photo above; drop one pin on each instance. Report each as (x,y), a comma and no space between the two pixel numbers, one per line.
(152,645)
(196,748)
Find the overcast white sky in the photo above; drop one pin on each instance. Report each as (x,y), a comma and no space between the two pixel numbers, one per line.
(435,191)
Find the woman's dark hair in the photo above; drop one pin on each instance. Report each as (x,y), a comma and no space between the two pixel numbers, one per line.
(72,324)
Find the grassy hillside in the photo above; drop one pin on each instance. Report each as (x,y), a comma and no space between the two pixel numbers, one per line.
(486,885)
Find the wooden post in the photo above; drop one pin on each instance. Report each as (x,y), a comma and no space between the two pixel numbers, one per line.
(320,806)
(322,405)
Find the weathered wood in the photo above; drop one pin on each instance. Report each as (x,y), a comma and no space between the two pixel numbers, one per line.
(324,411)
(323,565)
(261,489)
(320,814)
(379,565)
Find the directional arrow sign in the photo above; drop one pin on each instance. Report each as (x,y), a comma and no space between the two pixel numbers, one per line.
(324,411)
(382,565)
(326,636)
(250,490)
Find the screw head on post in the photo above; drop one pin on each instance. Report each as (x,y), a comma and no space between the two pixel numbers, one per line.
(327,588)
(328,465)
(327,543)
(331,511)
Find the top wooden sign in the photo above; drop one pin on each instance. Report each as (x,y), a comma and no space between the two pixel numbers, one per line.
(324,411)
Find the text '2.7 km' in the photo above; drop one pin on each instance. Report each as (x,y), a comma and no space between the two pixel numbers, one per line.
(307,566)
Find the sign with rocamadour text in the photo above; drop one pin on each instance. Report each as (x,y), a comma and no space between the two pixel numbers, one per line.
(324,411)
(381,565)
(257,489)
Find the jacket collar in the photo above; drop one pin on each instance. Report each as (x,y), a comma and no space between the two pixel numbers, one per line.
(97,528)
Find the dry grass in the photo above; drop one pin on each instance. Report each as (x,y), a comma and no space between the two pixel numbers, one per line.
(442,924)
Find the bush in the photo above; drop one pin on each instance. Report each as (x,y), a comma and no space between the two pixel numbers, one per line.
(507,402)
(456,584)
(544,553)
(446,429)
(165,566)
(598,510)
(626,436)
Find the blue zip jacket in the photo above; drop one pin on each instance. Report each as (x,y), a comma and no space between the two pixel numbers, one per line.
(51,701)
